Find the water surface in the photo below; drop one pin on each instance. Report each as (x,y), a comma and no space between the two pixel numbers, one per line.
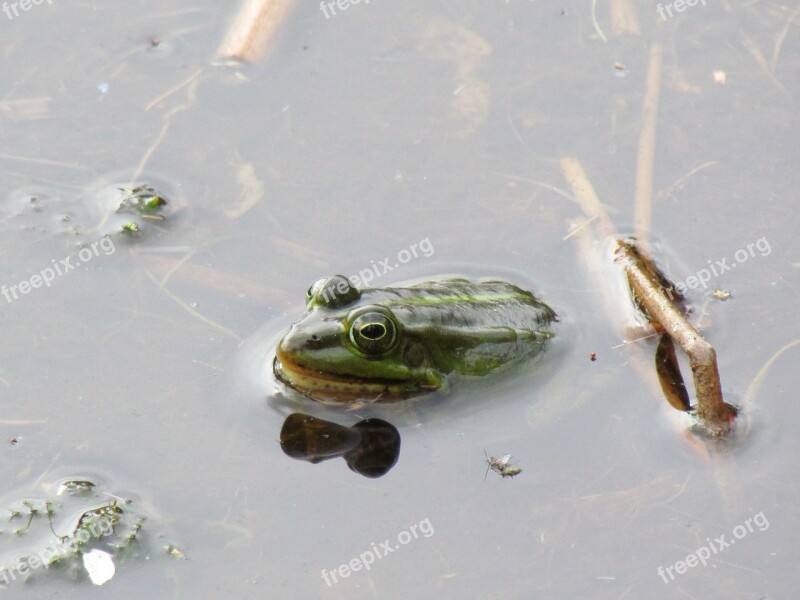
(361,135)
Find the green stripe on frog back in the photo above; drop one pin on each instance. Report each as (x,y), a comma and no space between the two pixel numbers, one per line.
(469,328)
(474,299)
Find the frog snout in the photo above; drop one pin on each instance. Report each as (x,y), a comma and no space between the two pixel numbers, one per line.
(299,339)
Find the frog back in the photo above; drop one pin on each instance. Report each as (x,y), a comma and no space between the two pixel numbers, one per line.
(469,328)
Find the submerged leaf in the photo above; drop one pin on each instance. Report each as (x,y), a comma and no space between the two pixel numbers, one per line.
(669,375)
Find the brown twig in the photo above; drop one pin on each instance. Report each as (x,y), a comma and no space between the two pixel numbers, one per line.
(648,288)
(256,23)
(714,413)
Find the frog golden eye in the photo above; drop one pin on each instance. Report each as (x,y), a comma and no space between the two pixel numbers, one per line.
(373,333)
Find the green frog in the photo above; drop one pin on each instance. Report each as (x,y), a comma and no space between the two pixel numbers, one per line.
(388,344)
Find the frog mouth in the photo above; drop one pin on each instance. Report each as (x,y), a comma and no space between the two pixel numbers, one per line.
(337,388)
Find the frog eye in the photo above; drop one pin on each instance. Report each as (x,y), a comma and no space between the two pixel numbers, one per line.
(373,332)
(333,292)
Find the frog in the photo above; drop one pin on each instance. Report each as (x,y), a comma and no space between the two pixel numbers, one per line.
(388,344)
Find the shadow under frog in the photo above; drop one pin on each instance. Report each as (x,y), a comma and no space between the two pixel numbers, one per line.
(370,447)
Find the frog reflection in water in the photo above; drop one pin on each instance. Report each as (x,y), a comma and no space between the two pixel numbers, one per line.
(394,343)
(370,447)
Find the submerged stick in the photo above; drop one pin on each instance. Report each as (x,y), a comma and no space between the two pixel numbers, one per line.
(715,414)
(584,193)
(256,23)
(645,157)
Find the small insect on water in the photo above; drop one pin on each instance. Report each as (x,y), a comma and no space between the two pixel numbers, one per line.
(495,464)
(500,465)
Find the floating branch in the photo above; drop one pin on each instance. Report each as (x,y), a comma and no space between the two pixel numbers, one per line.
(649,288)
(648,291)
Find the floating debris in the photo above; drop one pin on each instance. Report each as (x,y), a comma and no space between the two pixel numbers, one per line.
(129,228)
(80,531)
(175,552)
(143,200)
(75,487)
(99,565)
(721,295)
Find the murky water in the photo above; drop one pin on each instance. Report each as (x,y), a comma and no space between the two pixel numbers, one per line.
(364,134)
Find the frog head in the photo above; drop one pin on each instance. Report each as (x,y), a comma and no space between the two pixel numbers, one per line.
(349,348)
